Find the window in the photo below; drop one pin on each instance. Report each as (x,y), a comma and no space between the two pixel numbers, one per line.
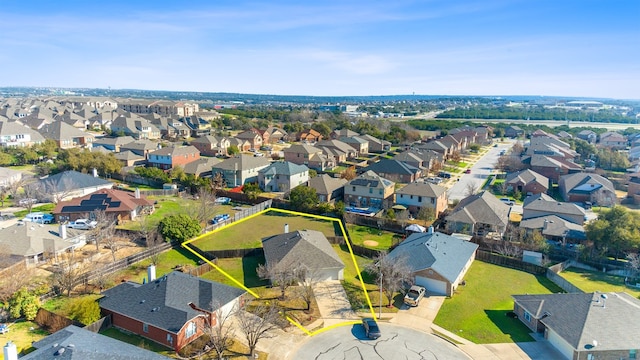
(191,330)
(527,316)
(632,353)
(354,188)
(419,198)
(370,191)
(170,339)
(433,200)
(145,328)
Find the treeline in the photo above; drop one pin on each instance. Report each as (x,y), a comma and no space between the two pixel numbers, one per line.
(534,113)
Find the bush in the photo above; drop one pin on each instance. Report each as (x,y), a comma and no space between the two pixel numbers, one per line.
(179,227)
(24,303)
(85,310)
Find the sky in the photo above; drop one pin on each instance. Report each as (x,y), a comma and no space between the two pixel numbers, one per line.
(579,48)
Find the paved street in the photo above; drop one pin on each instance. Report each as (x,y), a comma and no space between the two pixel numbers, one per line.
(479,172)
(349,342)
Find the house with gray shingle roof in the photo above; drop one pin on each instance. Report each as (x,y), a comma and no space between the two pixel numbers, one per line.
(75,343)
(308,248)
(9,176)
(555,228)
(582,187)
(369,190)
(375,144)
(361,145)
(66,136)
(328,188)
(240,170)
(479,215)
(542,205)
(201,167)
(69,184)
(311,156)
(210,145)
(113,143)
(282,176)
(339,145)
(172,310)
(395,170)
(416,196)
(584,326)
(527,182)
(34,242)
(437,261)
(13,133)
(128,158)
(140,147)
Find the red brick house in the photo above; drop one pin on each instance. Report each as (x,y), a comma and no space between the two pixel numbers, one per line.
(172,310)
(253,136)
(309,136)
(169,157)
(123,205)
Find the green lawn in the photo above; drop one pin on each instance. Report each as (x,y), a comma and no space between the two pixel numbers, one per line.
(43,208)
(60,304)
(138,341)
(359,234)
(477,311)
(167,261)
(22,335)
(248,234)
(590,281)
(241,269)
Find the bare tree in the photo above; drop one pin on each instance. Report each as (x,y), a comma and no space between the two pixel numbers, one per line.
(149,232)
(29,194)
(634,262)
(55,191)
(471,189)
(257,325)
(281,276)
(205,205)
(67,275)
(348,173)
(393,273)
(13,276)
(4,191)
(105,227)
(221,333)
(509,249)
(217,182)
(14,186)
(304,290)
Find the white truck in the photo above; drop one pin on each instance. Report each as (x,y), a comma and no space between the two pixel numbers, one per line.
(82,224)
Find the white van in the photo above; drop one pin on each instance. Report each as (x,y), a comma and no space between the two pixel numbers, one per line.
(39,217)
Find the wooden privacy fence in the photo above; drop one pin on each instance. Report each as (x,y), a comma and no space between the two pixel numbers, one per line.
(100,325)
(53,322)
(510,262)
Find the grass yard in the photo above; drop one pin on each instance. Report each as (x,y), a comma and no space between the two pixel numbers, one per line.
(43,208)
(138,341)
(167,261)
(359,234)
(248,234)
(22,335)
(241,269)
(477,311)
(590,281)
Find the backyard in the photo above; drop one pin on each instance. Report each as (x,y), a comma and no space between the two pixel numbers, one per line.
(248,234)
(371,237)
(590,281)
(23,333)
(477,311)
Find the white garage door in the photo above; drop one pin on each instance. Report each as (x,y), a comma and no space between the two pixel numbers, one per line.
(434,286)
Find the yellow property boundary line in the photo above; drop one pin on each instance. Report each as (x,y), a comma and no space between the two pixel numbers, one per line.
(240,284)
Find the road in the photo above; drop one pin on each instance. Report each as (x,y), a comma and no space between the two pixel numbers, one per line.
(480,171)
(349,342)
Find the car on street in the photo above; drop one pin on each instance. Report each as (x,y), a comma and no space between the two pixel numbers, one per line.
(25,202)
(414,295)
(468,171)
(220,218)
(508,201)
(371,329)
(83,224)
(39,217)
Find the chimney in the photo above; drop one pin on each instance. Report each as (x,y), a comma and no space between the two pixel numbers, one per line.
(62,230)
(286,228)
(10,351)
(151,273)
(430,230)
(137,193)
(95,172)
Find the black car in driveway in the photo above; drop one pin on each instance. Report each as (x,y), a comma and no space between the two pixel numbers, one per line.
(371,328)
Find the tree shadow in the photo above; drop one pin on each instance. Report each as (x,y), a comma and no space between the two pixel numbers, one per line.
(249,266)
(510,326)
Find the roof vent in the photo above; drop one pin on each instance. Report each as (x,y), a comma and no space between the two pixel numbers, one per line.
(142,301)
(59,352)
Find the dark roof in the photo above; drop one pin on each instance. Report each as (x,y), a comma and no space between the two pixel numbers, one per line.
(164,303)
(447,255)
(71,180)
(390,166)
(284,168)
(109,200)
(614,321)
(371,179)
(77,343)
(308,247)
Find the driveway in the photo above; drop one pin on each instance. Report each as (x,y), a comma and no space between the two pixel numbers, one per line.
(333,303)
(420,317)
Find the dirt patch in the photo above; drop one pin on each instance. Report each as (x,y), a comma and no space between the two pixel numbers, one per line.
(370,243)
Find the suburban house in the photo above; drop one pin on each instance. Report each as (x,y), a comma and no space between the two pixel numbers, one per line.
(551,167)
(69,184)
(369,190)
(546,145)
(453,143)
(422,159)
(197,125)
(513,132)
(170,128)
(527,182)
(9,176)
(555,228)
(211,145)
(119,204)
(241,144)
(253,136)
(75,342)
(14,134)
(633,191)
(66,136)
(273,134)
(328,188)
(169,157)
(375,144)
(337,134)
(172,310)
(311,156)
(437,261)
(613,140)
(361,145)
(36,242)
(240,170)
(436,146)
(201,167)
(140,147)
(112,143)
(395,170)
(416,196)
(282,176)
(582,187)
(136,127)
(127,158)
(309,136)
(308,249)
(338,145)
(584,326)
(542,205)
(479,215)
(588,136)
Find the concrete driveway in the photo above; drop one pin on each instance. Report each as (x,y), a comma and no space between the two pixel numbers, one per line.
(420,317)
(333,303)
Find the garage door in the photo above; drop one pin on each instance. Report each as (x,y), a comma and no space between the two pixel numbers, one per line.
(434,286)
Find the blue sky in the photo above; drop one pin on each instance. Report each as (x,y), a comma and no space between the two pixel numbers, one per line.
(432,47)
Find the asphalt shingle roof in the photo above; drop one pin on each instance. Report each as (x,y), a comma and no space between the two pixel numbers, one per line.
(71,180)
(445,254)
(164,303)
(284,168)
(389,166)
(307,247)
(483,208)
(326,184)
(422,189)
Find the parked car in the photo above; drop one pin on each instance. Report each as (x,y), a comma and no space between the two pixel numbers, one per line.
(414,295)
(371,329)
(4,328)
(39,217)
(508,201)
(25,202)
(434,180)
(82,224)
(468,171)
(222,200)
(444,175)
(258,154)
(220,218)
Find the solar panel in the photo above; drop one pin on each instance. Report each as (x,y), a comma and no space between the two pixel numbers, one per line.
(98,196)
(115,204)
(91,202)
